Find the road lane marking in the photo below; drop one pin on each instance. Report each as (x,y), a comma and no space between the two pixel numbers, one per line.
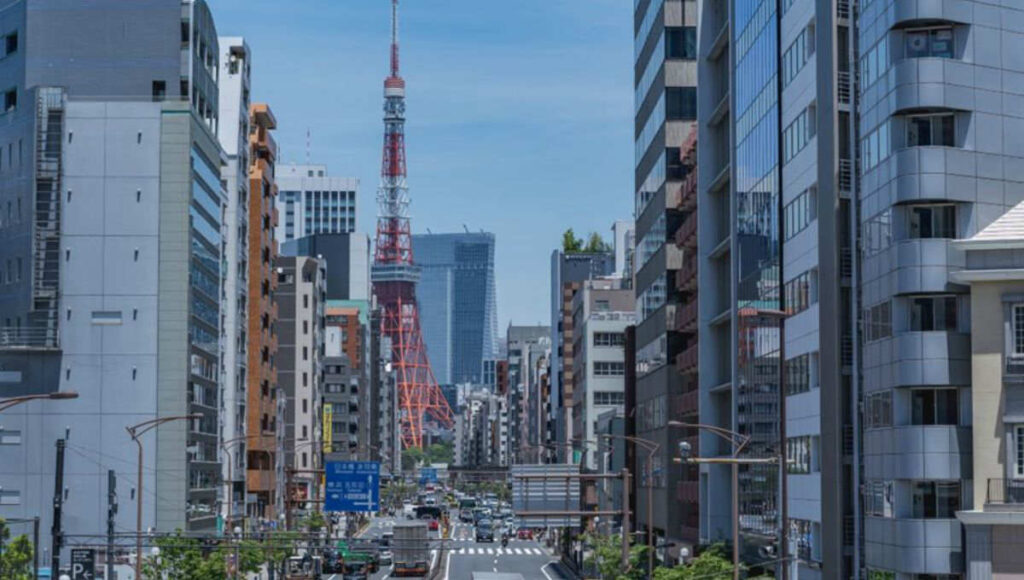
(518,551)
(542,571)
(490,551)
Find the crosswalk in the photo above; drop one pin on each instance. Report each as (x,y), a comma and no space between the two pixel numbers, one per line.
(499,551)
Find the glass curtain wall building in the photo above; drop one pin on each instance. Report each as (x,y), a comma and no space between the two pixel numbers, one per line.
(458,309)
(665,75)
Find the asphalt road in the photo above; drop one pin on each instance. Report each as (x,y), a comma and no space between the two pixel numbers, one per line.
(374,531)
(529,558)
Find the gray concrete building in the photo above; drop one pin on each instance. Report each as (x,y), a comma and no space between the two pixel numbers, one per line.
(117,174)
(347,257)
(301,338)
(528,350)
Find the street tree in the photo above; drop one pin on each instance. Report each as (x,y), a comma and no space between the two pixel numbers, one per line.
(711,564)
(15,555)
(607,558)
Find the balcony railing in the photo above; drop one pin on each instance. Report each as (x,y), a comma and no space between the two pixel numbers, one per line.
(843,86)
(686,277)
(844,8)
(686,235)
(686,317)
(1005,491)
(845,176)
(686,361)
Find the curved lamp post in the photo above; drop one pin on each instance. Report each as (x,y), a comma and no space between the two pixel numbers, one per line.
(60,395)
(136,431)
(738,442)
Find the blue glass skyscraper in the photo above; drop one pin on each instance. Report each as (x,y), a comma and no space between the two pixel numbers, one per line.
(457,306)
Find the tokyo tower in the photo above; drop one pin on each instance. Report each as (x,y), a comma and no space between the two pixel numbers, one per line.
(395,275)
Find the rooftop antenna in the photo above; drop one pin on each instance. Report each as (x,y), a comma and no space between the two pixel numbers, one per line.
(308,144)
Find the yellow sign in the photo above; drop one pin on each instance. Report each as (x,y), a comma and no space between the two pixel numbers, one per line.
(328,423)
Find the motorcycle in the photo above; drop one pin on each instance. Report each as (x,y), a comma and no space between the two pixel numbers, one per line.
(504,540)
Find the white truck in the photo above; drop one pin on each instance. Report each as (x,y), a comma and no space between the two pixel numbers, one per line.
(410,549)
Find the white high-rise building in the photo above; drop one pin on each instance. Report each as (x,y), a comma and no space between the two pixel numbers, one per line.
(312,202)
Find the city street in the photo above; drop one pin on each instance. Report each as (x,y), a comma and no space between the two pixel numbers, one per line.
(529,558)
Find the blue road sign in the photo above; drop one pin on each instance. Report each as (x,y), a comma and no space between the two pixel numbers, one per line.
(428,475)
(352,486)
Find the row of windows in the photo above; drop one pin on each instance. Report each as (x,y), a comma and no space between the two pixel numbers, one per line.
(797,55)
(927,314)
(801,292)
(681,42)
(874,63)
(798,374)
(878,410)
(609,369)
(609,339)
(924,221)
(798,134)
(928,406)
(801,453)
(800,212)
(609,398)
(933,130)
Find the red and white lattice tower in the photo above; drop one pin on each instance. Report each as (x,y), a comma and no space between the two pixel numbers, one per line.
(395,275)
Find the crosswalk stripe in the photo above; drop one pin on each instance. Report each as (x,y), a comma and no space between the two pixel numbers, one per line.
(518,551)
(490,551)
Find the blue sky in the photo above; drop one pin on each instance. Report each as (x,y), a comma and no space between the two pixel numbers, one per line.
(519,114)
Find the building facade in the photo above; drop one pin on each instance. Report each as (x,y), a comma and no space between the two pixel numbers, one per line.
(300,299)
(264,467)
(602,309)
(665,107)
(115,196)
(458,309)
(347,257)
(313,202)
(528,348)
(233,134)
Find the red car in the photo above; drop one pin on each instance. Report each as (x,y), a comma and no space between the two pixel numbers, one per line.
(432,526)
(524,534)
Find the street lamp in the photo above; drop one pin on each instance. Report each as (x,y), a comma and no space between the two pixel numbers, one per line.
(59,395)
(651,447)
(738,442)
(136,431)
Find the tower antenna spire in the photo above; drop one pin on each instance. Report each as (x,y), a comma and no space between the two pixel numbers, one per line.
(394,39)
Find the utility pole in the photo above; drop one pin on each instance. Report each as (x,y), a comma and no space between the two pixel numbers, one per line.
(111,512)
(58,505)
(35,548)
(625,518)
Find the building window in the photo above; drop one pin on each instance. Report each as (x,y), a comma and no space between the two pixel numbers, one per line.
(799,133)
(681,42)
(936,499)
(934,407)
(876,146)
(878,322)
(801,292)
(10,100)
(800,212)
(305,405)
(609,339)
(798,454)
(10,497)
(305,353)
(609,369)
(934,42)
(305,459)
(875,62)
(159,90)
(932,221)
(931,130)
(10,437)
(878,410)
(1018,438)
(11,43)
(609,398)
(928,313)
(109,317)
(878,498)
(681,103)
(798,374)
(796,56)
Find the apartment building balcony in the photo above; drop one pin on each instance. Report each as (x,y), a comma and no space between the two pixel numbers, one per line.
(686,317)
(1005,495)
(263,144)
(686,235)
(688,491)
(685,404)
(686,361)
(686,276)
(260,480)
